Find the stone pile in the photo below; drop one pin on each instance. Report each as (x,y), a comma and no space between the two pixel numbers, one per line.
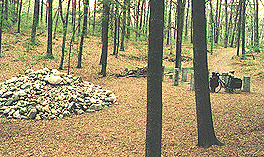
(138,72)
(49,94)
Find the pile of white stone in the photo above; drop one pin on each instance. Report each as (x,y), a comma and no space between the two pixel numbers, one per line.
(49,94)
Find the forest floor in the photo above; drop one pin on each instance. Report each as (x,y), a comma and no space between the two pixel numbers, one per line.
(120,130)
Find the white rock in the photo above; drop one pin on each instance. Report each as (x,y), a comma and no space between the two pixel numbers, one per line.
(54,80)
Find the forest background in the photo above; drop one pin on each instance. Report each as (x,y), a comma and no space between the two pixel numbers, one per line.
(122,33)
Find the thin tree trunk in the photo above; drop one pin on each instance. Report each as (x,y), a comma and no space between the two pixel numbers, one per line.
(217,21)
(243,31)
(1,25)
(94,16)
(28,9)
(105,38)
(212,26)
(169,24)
(65,26)
(154,80)
(235,27)
(128,19)
(86,4)
(116,27)
(49,45)
(206,133)
(19,16)
(35,22)
(122,46)
(56,22)
(256,28)
(230,24)
(137,20)
(226,26)
(41,10)
(239,26)
(186,20)
(180,17)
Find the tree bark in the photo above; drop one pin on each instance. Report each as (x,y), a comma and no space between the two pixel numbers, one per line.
(243,28)
(235,27)
(86,4)
(65,26)
(115,31)
(154,79)
(1,25)
(169,24)
(105,38)
(186,20)
(128,19)
(226,26)
(256,28)
(206,133)
(180,17)
(35,22)
(49,45)
(94,16)
(122,46)
(19,16)
(239,26)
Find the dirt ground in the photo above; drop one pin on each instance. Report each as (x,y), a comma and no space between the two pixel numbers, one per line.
(120,130)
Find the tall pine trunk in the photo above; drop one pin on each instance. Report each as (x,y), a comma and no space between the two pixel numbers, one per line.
(65,26)
(180,17)
(122,46)
(226,26)
(206,133)
(105,21)
(154,80)
(1,25)
(86,4)
(49,45)
(256,28)
(19,16)
(35,22)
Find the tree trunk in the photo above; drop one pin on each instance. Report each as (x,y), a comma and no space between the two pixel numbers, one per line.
(128,19)
(86,4)
(19,16)
(137,20)
(122,46)
(226,26)
(212,26)
(94,16)
(56,22)
(154,79)
(243,28)
(256,28)
(105,38)
(28,9)
(1,25)
(35,22)
(49,45)
(235,27)
(180,17)
(116,29)
(169,24)
(186,20)
(41,10)
(217,20)
(65,26)
(239,26)
(206,133)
